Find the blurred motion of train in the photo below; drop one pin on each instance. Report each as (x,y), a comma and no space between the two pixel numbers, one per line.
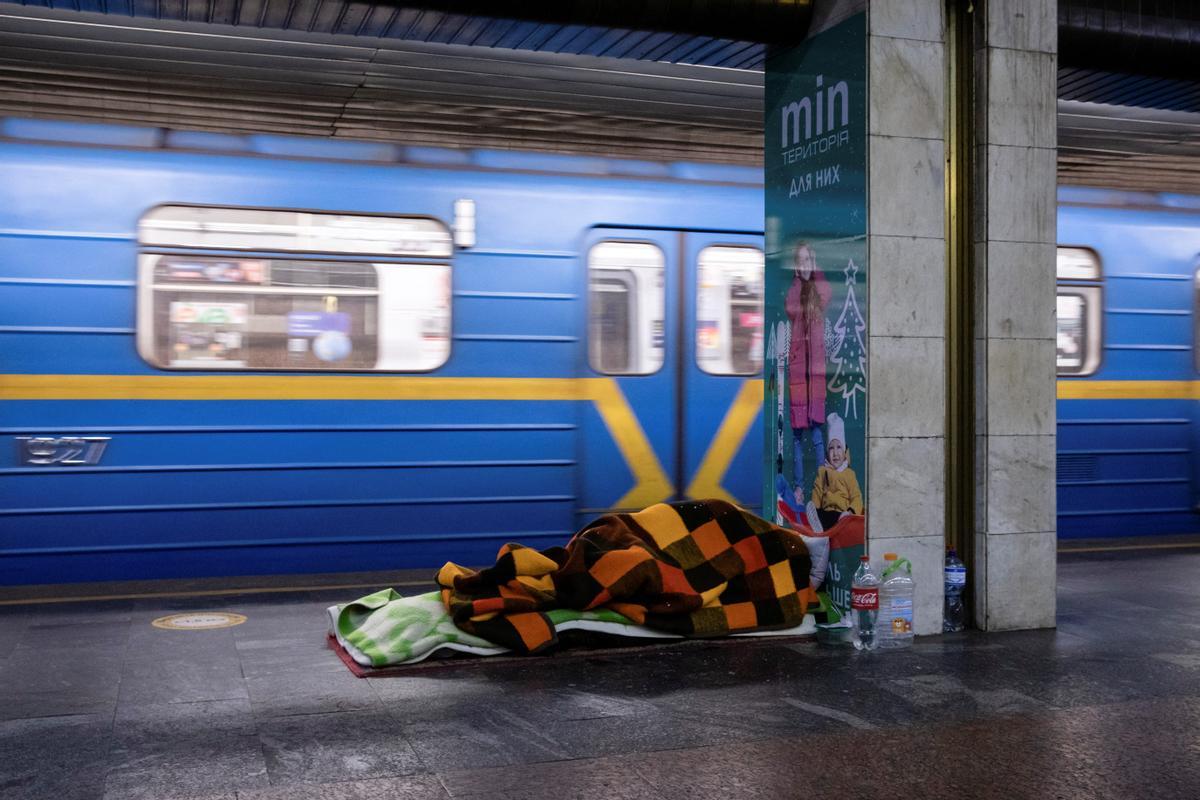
(234,355)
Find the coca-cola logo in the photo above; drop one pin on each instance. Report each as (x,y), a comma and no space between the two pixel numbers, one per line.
(864,599)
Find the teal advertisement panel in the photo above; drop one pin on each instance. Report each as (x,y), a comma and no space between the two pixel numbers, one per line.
(816,271)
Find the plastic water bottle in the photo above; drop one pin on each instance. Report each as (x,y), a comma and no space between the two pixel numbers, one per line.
(954,617)
(895,628)
(864,603)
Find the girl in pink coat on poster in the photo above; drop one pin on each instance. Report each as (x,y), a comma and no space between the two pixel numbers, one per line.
(807,299)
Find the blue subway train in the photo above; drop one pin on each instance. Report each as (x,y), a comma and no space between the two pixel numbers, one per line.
(238,355)
(231,355)
(1127,363)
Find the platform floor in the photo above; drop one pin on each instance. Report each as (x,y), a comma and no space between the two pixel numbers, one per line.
(97,703)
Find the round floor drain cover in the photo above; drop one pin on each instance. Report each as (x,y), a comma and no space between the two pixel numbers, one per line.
(199,621)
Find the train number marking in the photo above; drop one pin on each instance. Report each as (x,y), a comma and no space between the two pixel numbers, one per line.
(61,450)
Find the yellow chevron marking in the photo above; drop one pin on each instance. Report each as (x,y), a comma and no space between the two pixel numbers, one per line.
(1128,390)
(651,483)
(746,407)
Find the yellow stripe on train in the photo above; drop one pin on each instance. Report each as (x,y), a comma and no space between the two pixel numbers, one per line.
(1128,390)
(650,485)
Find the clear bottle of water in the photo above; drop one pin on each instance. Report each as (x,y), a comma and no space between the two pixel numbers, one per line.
(896,591)
(954,616)
(864,603)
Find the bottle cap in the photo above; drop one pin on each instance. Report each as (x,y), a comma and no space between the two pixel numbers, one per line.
(890,556)
(864,557)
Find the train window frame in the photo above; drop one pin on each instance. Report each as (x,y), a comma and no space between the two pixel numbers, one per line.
(1063,272)
(1085,282)
(1196,314)
(380,245)
(642,333)
(726,311)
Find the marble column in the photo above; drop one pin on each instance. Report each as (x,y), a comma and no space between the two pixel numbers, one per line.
(1012,192)
(1016,137)
(906,418)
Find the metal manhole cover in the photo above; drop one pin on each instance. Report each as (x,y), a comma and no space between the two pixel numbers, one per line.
(199,621)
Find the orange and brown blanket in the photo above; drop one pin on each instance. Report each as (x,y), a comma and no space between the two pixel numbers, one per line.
(698,568)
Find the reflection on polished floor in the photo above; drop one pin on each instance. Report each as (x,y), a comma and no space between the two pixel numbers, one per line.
(95,702)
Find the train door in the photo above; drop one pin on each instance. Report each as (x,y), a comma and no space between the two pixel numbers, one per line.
(722,359)
(673,357)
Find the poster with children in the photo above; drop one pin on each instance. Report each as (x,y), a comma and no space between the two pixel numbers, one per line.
(816,272)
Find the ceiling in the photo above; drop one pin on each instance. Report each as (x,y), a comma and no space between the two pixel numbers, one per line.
(221,78)
(1128,148)
(720,33)
(424,83)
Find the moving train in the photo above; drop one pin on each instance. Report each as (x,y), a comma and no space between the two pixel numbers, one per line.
(259,354)
(1127,363)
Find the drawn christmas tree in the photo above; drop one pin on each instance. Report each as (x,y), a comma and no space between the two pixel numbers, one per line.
(849,351)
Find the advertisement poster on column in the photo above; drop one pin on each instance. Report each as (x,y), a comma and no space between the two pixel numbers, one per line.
(816,272)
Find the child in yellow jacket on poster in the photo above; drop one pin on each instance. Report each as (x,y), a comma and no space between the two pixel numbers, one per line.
(835,493)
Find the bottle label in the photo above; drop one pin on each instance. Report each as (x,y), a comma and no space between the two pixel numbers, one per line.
(956,576)
(864,599)
(899,618)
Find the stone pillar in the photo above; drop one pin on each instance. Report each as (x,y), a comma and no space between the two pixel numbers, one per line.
(906,419)
(1011,190)
(1014,231)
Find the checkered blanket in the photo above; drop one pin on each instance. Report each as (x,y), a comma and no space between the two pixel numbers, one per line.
(700,568)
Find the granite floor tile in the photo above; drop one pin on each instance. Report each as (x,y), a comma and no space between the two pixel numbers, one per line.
(941,697)
(200,762)
(482,740)
(750,712)
(180,645)
(147,642)
(147,608)
(415,787)
(583,779)
(310,653)
(1095,681)
(17,703)
(336,747)
(1066,754)
(647,733)
(765,769)
(160,722)
(435,696)
(283,620)
(855,703)
(182,681)
(86,612)
(70,672)
(122,793)
(19,613)
(184,750)
(11,630)
(77,635)
(54,757)
(293,693)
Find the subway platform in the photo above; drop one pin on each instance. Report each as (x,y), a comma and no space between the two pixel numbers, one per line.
(95,702)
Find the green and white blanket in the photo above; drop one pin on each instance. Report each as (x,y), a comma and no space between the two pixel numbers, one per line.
(384,629)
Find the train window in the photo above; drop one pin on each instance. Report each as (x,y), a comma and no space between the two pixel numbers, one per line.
(1196,318)
(318,292)
(729,310)
(626,308)
(1078,311)
(1078,264)
(1078,330)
